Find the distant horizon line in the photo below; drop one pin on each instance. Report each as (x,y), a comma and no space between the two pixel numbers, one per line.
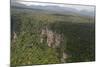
(54,3)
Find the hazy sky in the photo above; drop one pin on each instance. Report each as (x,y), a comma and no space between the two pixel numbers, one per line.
(86,2)
(81,7)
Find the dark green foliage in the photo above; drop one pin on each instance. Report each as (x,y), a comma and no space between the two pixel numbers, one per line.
(79,38)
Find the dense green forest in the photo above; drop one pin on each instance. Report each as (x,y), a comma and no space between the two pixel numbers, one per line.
(26,49)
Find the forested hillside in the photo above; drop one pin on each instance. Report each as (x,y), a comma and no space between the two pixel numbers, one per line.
(45,38)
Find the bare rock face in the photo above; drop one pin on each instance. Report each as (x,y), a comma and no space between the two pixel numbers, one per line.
(58,40)
(63,60)
(43,35)
(64,57)
(50,38)
(53,39)
(14,36)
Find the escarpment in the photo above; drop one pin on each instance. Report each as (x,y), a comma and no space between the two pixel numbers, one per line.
(54,40)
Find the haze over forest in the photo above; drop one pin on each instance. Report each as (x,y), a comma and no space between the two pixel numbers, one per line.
(51,33)
(64,8)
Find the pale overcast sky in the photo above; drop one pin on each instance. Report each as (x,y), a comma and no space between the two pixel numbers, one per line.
(85,2)
(81,7)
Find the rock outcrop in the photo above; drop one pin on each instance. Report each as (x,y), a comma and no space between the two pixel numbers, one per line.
(53,40)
